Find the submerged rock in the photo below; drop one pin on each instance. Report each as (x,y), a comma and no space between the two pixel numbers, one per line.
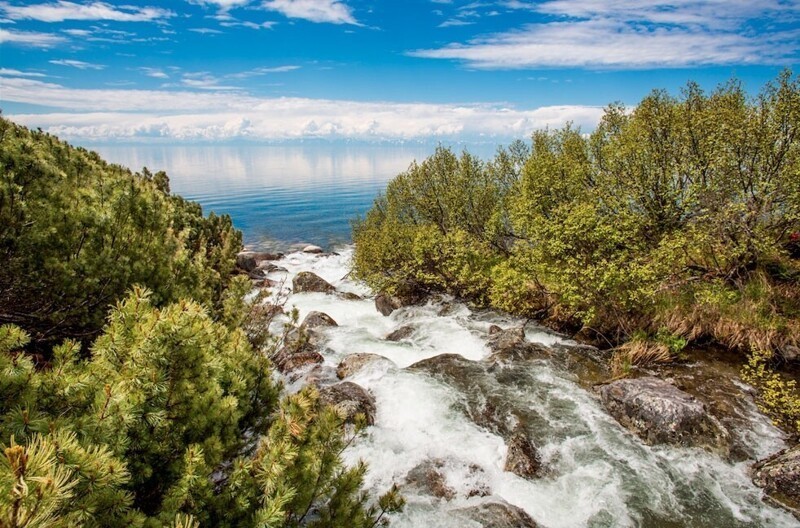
(355,362)
(779,475)
(523,458)
(305,281)
(404,332)
(660,413)
(350,296)
(498,514)
(351,400)
(316,320)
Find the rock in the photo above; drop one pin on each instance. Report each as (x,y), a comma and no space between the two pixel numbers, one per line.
(298,360)
(355,362)
(316,320)
(350,296)
(404,332)
(249,260)
(494,329)
(386,304)
(790,353)
(268,267)
(660,413)
(312,249)
(496,515)
(428,478)
(779,475)
(523,459)
(305,281)
(509,345)
(350,399)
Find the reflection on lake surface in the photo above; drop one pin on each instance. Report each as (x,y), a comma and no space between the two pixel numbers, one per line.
(279,195)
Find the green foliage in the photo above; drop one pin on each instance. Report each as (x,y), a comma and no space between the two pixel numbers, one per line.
(76,233)
(163,411)
(677,214)
(778,397)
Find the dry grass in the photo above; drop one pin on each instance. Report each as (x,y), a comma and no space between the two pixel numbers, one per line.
(638,353)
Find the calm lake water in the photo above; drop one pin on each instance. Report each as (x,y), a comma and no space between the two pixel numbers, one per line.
(280,196)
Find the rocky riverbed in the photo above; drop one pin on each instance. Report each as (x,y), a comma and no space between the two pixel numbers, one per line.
(486,421)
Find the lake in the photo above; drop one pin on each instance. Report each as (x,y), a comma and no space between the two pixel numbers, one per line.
(280,196)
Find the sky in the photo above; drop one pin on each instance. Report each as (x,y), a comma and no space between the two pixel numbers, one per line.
(186,71)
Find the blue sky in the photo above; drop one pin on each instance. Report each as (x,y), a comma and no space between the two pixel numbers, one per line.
(275,70)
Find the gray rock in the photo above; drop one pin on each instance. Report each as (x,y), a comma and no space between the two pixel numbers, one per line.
(496,515)
(316,320)
(305,281)
(790,353)
(523,458)
(404,332)
(355,362)
(312,249)
(351,400)
(660,413)
(779,475)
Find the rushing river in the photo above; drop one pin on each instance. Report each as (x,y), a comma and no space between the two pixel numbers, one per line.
(599,475)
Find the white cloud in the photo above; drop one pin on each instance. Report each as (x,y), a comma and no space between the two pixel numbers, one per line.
(264,71)
(206,31)
(78,64)
(62,10)
(30,38)
(154,72)
(224,5)
(113,114)
(248,24)
(331,11)
(18,73)
(637,34)
(455,22)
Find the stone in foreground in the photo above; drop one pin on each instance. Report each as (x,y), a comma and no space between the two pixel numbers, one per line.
(316,250)
(779,475)
(305,281)
(660,413)
(351,400)
(404,332)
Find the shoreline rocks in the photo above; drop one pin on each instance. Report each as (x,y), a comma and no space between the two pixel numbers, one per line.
(779,475)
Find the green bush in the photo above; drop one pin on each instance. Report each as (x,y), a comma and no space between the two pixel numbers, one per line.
(76,233)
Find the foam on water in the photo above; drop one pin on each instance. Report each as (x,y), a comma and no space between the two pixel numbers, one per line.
(599,474)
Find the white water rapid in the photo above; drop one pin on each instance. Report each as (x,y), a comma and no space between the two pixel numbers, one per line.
(599,474)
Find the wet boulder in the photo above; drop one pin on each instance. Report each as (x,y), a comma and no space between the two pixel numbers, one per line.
(317,320)
(386,304)
(523,458)
(306,281)
(351,400)
(349,296)
(404,332)
(508,345)
(356,362)
(660,413)
(428,478)
(779,475)
(315,250)
(498,514)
